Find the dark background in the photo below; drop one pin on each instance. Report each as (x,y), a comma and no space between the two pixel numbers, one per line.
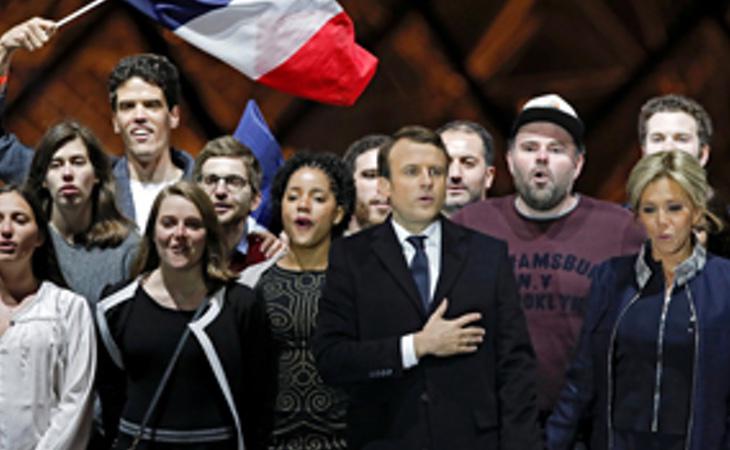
(439,60)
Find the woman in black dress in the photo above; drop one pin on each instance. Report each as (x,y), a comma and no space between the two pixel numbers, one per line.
(313,198)
(218,386)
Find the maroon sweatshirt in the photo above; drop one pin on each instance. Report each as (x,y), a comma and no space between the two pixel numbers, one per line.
(553,261)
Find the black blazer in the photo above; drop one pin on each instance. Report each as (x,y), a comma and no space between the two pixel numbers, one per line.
(483,400)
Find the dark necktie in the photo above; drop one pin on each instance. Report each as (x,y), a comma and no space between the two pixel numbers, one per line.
(419,270)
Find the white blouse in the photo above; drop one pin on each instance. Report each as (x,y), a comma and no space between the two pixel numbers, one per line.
(47,365)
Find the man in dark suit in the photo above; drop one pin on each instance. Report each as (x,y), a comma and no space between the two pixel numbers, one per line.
(420,322)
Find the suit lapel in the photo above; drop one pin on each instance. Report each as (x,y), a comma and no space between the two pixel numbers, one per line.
(389,251)
(453,256)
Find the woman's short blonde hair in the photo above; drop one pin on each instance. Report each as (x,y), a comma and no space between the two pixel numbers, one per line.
(675,165)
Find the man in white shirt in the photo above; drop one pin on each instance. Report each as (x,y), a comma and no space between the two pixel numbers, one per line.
(144,93)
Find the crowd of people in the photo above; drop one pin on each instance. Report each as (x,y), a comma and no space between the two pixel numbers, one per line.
(401,308)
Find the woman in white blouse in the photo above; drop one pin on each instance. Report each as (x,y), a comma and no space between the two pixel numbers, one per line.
(47,342)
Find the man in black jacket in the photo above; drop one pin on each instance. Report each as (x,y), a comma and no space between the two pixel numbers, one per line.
(420,321)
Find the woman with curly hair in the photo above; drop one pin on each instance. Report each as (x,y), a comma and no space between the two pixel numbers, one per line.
(313,199)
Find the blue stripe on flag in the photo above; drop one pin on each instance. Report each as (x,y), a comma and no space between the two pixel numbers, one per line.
(173,14)
(253,132)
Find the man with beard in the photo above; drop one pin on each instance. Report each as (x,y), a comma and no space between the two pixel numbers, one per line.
(371,207)
(230,174)
(556,237)
(471,171)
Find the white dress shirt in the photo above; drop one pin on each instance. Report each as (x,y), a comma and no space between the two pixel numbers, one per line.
(432,246)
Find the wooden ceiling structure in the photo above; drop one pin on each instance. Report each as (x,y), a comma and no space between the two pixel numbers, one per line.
(439,60)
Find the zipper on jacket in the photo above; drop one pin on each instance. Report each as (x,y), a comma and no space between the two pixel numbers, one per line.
(609,365)
(659,361)
(695,323)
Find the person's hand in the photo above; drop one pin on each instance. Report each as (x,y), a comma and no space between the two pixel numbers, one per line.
(270,244)
(30,35)
(442,337)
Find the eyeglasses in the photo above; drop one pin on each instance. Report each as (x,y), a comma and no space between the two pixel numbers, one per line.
(232,182)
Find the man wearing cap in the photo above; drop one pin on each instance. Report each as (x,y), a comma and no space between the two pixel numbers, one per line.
(556,237)
(471,171)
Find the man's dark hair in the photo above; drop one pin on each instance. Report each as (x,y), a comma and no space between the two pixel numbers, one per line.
(362,145)
(676,103)
(154,69)
(340,178)
(414,133)
(472,127)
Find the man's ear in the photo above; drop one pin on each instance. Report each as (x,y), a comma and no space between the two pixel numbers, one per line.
(704,155)
(579,161)
(174,117)
(115,125)
(509,158)
(488,179)
(339,215)
(255,202)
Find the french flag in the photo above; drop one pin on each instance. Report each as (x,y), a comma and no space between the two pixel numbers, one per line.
(254,132)
(303,47)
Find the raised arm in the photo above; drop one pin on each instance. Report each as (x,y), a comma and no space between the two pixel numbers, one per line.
(30,35)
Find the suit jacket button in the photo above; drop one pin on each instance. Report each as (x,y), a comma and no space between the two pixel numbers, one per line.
(425,398)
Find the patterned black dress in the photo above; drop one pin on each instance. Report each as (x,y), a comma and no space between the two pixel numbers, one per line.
(308,414)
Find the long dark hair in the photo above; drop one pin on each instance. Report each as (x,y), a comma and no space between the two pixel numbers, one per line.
(43,262)
(109,227)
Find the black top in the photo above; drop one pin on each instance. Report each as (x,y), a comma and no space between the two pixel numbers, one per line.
(308,413)
(148,343)
(146,334)
(655,344)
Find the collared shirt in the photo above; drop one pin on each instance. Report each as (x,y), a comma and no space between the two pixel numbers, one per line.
(432,246)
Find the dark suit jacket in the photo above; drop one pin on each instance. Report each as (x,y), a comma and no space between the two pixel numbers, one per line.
(483,400)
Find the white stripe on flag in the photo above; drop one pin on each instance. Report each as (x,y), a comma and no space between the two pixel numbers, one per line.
(276,29)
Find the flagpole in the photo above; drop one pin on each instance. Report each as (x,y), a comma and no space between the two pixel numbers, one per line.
(79,12)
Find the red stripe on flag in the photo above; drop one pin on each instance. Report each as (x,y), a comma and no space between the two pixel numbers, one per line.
(330,67)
